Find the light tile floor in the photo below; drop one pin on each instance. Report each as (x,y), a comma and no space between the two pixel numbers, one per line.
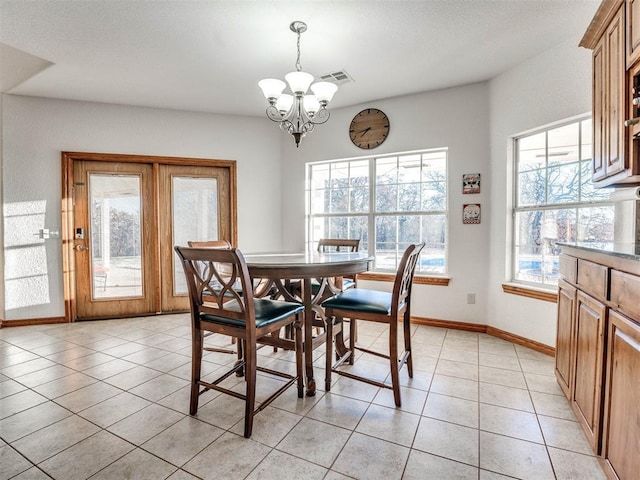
(109,400)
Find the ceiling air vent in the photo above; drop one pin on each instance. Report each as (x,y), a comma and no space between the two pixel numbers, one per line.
(339,77)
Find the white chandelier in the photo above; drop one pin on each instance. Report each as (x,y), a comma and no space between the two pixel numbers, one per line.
(297,113)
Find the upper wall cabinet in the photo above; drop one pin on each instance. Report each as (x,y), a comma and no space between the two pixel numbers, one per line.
(614,37)
(633,31)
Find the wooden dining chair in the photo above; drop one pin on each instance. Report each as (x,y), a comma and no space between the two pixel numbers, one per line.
(374,306)
(341,245)
(210,244)
(338,245)
(230,311)
(215,244)
(328,245)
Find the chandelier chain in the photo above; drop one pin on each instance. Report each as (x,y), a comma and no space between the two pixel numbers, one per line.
(298,64)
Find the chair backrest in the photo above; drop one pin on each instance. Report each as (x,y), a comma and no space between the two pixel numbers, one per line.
(338,245)
(210,244)
(404,277)
(219,283)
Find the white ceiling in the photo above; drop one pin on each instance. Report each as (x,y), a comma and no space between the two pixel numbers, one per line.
(209,55)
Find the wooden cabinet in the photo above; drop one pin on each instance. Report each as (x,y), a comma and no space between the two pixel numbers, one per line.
(622,413)
(633,31)
(589,364)
(598,351)
(615,96)
(614,37)
(608,100)
(564,336)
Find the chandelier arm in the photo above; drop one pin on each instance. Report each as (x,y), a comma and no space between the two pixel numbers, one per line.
(274,114)
(321,116)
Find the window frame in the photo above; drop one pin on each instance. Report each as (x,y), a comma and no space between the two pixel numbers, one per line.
(513,255)
(378,273)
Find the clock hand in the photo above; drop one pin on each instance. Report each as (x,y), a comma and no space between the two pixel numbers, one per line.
(365,131)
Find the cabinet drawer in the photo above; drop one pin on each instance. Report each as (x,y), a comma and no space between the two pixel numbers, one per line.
(568,268)
(593,278)
(625,293)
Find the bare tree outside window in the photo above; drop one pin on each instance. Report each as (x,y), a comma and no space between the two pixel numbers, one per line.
(555,200)
(388,202)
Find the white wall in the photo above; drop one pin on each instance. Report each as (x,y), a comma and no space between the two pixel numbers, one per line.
(1,223)
(473,121)
(36,130)
(552,86)
(457,118)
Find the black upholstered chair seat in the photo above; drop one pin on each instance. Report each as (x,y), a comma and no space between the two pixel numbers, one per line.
(267,312)
(361,300)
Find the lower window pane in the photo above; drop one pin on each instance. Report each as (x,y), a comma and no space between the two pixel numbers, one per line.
(386,232)
(432,259)
(539,231)
(358,228)
(595,224)
(339,227)
(409,229)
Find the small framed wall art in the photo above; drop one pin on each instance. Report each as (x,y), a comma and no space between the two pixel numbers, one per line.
(471,183)
(471,213)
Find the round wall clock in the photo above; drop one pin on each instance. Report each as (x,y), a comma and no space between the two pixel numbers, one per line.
(369,128)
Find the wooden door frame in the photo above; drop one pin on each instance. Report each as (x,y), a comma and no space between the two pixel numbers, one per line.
(68,220)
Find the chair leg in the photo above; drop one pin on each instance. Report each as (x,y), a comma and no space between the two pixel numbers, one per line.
(297,333)
(407,342)
(393,360)
(328,353)
(250,378)
(338,337)
(196,368)
(353,333)
(276,334)
(240,350)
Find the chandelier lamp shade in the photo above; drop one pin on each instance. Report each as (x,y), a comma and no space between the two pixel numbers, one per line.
(297,112)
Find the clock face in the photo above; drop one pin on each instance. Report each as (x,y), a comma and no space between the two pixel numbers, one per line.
(369,128)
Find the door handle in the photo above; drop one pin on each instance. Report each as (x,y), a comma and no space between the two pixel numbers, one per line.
(80,248)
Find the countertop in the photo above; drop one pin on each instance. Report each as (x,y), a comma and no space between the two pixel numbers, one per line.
(624,250)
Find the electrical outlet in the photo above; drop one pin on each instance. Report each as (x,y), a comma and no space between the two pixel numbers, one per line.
(471,298)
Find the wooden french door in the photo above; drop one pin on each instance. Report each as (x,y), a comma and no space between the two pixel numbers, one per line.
(125,219)
(194,205)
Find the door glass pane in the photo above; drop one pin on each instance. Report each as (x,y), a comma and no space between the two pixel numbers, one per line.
(194,216)
(116,235)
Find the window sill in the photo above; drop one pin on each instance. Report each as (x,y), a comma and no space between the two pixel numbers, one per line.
(531,292)
(417,279)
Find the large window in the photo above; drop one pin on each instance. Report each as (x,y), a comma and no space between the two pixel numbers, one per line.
(388,202)
(555,200)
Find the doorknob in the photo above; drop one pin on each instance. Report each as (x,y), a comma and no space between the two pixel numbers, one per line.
(80,248)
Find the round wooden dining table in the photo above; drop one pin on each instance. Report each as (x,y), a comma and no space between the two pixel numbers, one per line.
(319,276)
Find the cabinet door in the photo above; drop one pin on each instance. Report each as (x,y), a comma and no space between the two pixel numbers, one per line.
(615,95)
(589,359)
(633,31)
(609,100)
(564,336)
(622,406)
(599,102)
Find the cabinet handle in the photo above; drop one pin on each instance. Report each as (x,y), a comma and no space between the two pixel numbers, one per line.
(631,121)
